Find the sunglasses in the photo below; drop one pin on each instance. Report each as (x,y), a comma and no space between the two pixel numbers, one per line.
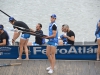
(52,17)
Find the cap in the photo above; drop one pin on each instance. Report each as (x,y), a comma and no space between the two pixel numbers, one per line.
(1,27)
(53,15)
(11,19)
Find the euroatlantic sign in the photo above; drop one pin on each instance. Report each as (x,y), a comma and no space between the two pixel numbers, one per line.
(63,52)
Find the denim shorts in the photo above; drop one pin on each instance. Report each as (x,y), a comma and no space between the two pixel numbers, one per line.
(98,36)
(25,36)
(51,43)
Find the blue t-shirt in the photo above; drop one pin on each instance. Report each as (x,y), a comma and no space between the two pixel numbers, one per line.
(52,27)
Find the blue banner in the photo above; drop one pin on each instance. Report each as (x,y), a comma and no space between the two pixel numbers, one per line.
(87,52)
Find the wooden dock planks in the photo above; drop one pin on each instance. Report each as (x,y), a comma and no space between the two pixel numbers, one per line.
(62,67)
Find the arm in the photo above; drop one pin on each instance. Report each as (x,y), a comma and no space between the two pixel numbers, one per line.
(70,38)
(16,35)
(54,30)
(32,30)
(3,43)
(53,35)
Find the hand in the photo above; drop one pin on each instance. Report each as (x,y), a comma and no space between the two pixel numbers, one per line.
(65,36)
(32,30)
(46,37)
(13,41)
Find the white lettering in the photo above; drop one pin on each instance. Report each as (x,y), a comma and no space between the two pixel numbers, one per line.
(95,50)
(63,51)
(57,51)
(72,50)
(1,53)
(80,50)
(84,50)
(44,51)
(90,50)
(35,50)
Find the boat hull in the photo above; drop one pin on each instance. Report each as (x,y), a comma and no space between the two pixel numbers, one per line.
(78,52)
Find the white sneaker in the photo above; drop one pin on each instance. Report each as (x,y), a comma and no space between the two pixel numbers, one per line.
(48,68)
(50,71)
(98,59)
(18,58)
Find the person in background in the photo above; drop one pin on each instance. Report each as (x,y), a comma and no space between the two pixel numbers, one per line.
(52,43)
(70,35)
(38,40)
(62,39)
(97,34)
(24,37)
(4,37)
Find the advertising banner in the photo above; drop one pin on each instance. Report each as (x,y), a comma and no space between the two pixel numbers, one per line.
(83,52)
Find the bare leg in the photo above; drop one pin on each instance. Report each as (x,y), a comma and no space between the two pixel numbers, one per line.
(48,53)
(26,49)
(53,51)
(22,41)
(98,51)
(29,44)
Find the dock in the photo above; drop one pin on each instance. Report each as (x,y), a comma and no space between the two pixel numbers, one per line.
(63,67)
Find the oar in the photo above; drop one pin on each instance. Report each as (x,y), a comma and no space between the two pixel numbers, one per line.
(36,33)
(27,31)
(5,13)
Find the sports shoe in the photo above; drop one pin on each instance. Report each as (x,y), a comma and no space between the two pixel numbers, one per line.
(18,58)
(48,68)
(98,59)
(50,71)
